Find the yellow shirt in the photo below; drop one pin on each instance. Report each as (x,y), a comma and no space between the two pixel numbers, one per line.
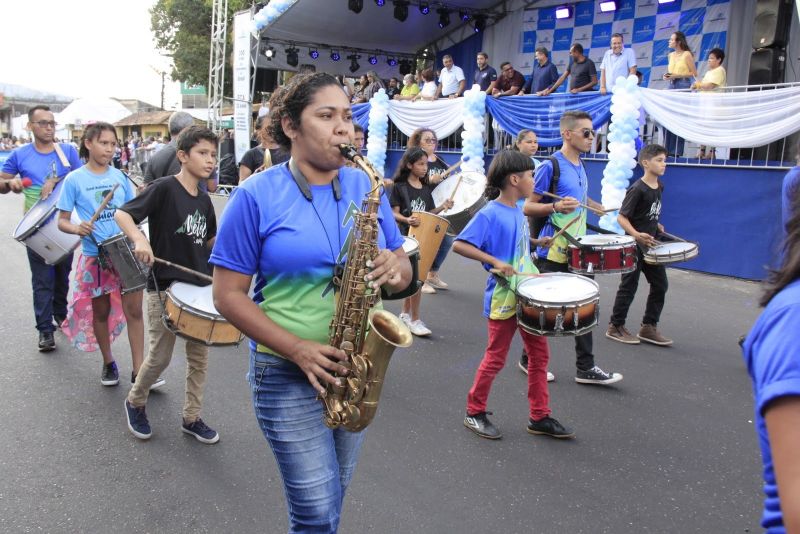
(409,90)
(716,76)
(677,63)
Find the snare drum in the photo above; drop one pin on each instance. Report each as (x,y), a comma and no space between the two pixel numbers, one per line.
(189,312)
(672,252)
(429,235)
(411,248)
(38,230)
(603,254)
(467,201)
(117,250)
(558,304)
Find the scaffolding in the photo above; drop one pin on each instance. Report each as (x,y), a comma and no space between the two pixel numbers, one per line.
(216,63)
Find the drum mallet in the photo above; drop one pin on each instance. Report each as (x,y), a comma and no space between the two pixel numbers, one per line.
(103,204)
(184,269)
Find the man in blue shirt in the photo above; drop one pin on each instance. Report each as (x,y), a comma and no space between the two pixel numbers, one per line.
(617,61)
(543,76)
(485,76)
(44,164)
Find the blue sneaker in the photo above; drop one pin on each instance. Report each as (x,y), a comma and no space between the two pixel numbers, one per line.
(201,431)
(110,375)
(137,421)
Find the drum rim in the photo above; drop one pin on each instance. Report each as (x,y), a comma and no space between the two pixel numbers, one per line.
(414,250)
(689,248)
(185,306)
(626,242)
(36,225)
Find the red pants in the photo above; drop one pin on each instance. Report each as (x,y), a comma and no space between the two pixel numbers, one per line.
(501,332)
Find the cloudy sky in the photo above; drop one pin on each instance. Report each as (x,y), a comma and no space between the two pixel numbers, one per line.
(84,48)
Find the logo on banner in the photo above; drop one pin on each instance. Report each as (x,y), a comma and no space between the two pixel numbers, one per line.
(584,13)
(625,28)
(582,37)
(692,21)
(528,42)
(644,29)
(601,35)
(666,25)
(625,10)
(529,16)
(642,56)
(660,52)
(669,7)
(562,39)
(711,40)
(544,41)
(547,19)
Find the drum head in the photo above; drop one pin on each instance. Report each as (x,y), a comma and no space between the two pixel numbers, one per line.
(605,239)
(39,213)
(558,288)
(197,297)
(410,246)
(469,191)
(667,249)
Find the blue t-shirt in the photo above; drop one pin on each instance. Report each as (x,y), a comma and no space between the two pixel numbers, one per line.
(84,191)
(30,163)
(772,355)
(501,231)
(572,182)
(791,186)
(292,245)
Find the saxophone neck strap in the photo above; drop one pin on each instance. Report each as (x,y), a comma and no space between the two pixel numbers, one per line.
(302,182)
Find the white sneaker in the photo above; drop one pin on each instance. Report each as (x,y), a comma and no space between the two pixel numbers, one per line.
(427,289)
(551,377)
(406,318)
(435,281)
(418,328)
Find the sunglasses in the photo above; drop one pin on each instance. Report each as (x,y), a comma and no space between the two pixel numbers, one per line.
(587,132)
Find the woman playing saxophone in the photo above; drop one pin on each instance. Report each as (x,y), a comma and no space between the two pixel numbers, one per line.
(289,226)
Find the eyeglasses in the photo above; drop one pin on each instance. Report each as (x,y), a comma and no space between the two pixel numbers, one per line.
(429,140)
(45,124)
(587,132)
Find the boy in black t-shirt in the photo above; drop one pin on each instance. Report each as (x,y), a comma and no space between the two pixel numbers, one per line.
(639,217)
(182,230)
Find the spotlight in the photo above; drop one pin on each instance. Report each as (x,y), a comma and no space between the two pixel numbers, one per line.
(313,53)
(380,3)
(480,23)
(292,56)
(355,5)
(424,8)
(354,66)
(392,62)
(401,10)
(335,55)
(563,12)
(373,60)
(463,15)
(665,1)
(269,52)
(608,6)
(444,16)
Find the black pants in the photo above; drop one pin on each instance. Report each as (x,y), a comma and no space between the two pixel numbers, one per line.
(656,276)
(583,343)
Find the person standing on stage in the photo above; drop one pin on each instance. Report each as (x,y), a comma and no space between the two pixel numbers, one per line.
(573,184)
(510,81)
(543,75)
(182,231)
(44,163)
(772,355)
(681,73)
(451,80)
(617,61)
(485,76)
(308,201)
(581,71)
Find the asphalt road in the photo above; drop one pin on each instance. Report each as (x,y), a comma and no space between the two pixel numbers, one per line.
(671,448)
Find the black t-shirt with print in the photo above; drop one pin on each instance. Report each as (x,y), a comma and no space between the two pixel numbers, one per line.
(642,207)
(436,166)
(410,199)
(254,158)
(180,226)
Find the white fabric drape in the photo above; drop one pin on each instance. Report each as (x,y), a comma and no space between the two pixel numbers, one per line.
(443,116)
(745,119)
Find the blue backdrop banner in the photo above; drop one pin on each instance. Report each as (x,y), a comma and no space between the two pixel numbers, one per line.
(542,113)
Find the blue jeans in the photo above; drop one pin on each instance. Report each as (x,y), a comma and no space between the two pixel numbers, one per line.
(316,463)
(444,248)
(672,142)
(50,287)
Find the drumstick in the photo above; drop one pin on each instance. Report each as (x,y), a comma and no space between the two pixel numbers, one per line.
(449,170)
(453,194)
(185,269)
(103,204)
(588,207)
(498,272)
(564,228)
(676,238)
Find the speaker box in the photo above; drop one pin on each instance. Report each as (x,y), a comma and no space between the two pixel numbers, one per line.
(771,26)
(266,80)
(766,66)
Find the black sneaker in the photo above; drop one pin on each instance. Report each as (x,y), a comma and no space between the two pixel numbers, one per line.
(110,376)
(523,362)
(47,342)
(137,421)
(549,427)
(595,375)
(481,425)
(157,384)
(201,431)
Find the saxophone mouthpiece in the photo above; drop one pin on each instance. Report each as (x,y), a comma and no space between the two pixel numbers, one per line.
(349,152)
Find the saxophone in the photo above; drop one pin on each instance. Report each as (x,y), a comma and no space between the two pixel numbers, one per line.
(368,336)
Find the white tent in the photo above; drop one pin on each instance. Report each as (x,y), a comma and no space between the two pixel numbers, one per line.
(88,110)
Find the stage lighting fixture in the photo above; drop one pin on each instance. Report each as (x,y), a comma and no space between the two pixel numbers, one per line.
(563,12)
(424,8)
(401,10)
(463,15)
(354,66)
(335,55)
(269,52)
(444,17)
(665,1)
(355,5)
(373,60)
(313,53)
(292,56)
(608,6)
(380,3)
(392,62)
(480,23)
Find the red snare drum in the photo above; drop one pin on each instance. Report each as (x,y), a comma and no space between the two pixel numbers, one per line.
(603,254)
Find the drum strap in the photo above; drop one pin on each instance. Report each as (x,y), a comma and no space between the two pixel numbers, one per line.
(61,156)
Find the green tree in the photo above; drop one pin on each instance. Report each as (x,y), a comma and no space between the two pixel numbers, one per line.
(182,30)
